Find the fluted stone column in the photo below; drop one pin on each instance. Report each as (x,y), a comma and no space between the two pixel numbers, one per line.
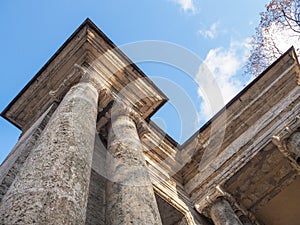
(222,213)
(52,187)
(129,193)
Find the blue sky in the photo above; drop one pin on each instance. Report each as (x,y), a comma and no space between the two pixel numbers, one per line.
(217,31)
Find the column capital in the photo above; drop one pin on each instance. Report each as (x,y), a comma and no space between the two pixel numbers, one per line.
(204,205)
(93,79)
(285,140)
(59,92)
(78,74)
(113,108)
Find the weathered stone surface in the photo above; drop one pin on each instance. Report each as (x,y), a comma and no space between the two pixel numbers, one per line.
(283,208)
(52,187)
(54,183)
(250,120)
(169,215)
(88,44)
(129,193)
(14,162)
(182,222)
(294,145)
(222,213)
(95,211)
(257,182)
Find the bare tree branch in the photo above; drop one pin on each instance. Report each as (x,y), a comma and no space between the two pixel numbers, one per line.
(279,24)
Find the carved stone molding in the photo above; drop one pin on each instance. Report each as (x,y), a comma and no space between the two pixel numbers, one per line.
(59,92)
(204,205)
(84,76)
(91,78)
(105,97)
(286,141)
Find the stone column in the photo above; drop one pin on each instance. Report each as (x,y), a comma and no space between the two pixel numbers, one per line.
(288,142)
(129,192)
(293,145)
(14,162)
(52,186)
(222,213)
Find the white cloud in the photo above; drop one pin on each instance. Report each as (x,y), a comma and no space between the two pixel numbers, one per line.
(186,5)
(210,33)
(218,79)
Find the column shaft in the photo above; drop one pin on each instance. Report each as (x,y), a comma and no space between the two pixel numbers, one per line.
(15,160)
(129,193)
(222,213)
(52,187)
(294,145)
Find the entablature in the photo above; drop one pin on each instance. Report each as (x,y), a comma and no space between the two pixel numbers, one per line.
(247,124)
(91,50)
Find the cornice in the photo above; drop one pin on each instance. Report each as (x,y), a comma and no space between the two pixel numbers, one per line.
(84,46)
(249,123)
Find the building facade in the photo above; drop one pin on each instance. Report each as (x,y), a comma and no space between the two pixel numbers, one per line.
(88,153)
